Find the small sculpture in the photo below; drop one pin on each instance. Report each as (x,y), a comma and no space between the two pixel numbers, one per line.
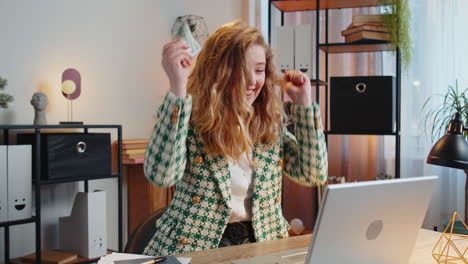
(39,101)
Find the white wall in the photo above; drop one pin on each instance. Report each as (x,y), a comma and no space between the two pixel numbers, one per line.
(116,46)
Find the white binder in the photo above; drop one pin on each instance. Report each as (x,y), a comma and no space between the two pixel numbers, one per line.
(304,49)
(284,48)
(19,168)
(295,49)
(3,184)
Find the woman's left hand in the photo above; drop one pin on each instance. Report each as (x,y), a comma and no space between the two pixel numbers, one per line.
(298,88)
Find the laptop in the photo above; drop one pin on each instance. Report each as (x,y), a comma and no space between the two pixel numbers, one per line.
(364,223)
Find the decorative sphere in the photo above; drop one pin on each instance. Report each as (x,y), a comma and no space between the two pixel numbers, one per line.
(297,226)
(68,87)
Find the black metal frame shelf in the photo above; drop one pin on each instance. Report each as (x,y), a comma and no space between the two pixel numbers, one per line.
(320,82)
(369,133)
(20,126)
(18,222)
(67,180)
(36,173)
(294,5)
(370,46)
(333,48)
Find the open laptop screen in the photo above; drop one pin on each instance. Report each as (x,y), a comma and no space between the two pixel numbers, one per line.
(370,222)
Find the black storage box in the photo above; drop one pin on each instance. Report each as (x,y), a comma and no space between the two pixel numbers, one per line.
(362,104)
(72,155)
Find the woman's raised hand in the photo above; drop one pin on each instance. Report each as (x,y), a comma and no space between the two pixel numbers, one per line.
(298,88)
(176,62)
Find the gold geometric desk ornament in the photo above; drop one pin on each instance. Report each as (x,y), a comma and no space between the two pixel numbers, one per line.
(451,247)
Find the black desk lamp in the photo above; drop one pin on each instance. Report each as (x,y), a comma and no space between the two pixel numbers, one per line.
(452,151)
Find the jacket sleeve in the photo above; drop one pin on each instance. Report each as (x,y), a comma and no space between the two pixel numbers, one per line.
(165,156)
(305,153)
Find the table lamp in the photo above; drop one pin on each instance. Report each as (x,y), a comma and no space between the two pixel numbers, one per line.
(452,151)
(71,89)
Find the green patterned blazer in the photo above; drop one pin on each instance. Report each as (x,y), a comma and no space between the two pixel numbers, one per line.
(201,206)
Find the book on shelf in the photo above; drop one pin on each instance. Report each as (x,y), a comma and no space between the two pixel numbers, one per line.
(364,27)
(367,36)
(377,19)
(135,141)
(134,146)
(51,257)
(133,156)
(133,161)
(134,151)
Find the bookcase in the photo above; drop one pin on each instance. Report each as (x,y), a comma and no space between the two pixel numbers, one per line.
(39,181)
(324,48)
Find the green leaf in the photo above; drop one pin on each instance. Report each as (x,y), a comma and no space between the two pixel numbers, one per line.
(3,83)
(435,120)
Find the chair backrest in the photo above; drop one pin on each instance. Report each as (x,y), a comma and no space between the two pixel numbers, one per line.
(142,234)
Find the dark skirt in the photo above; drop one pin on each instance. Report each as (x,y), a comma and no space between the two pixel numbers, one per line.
(237,233)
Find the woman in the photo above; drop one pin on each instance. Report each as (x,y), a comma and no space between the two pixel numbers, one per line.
(221,140)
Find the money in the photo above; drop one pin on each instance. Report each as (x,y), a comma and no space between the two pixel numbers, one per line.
(185,34)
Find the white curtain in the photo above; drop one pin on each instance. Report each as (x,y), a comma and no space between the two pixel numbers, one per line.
(440,57)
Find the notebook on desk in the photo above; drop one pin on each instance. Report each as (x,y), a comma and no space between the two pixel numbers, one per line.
(363,223)
(166,260)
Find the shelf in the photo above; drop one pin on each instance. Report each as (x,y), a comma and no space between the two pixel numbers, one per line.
(66,180)
(309,5)
(18,222)
(356,47)
(16,126)
(6,128)
(360,133)
(79,260)
(321,83)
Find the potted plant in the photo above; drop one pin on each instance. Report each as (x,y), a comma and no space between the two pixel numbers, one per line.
(435,123)
(436,119)
(4,98)
(398,24)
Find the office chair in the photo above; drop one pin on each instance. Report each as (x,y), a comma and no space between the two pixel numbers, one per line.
(142,234)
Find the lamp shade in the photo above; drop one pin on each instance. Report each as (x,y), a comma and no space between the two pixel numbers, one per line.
(451,150)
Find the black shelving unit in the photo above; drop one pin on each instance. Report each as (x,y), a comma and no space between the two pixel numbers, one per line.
(327,48)
(36,175)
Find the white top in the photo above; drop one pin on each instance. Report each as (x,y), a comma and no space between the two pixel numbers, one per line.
(241,190)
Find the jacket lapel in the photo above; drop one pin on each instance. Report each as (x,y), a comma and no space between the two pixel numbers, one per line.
(219,170)
(257,172)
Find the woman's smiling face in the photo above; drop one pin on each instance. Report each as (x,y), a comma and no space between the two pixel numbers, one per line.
(256,61)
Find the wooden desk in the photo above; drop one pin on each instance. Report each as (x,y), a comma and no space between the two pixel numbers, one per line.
(422,253)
